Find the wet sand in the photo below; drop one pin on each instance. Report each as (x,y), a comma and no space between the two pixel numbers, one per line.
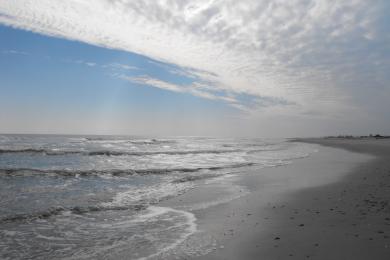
(332,205)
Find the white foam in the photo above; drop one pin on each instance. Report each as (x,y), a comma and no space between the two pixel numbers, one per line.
(177,219)
(191,227)
(149,194)
(234,192)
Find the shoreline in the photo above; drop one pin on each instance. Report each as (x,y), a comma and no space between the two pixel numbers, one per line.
(340,212)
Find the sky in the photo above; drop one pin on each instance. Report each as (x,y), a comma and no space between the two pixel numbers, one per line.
(268,68)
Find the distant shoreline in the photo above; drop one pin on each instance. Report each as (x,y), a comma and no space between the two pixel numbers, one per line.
(371,145)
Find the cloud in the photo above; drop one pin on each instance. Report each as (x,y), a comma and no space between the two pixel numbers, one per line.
(112,66)
(14,52)
(321,55)
(193,89)
(207,92)
(145,80)
(120,66)
(82,62)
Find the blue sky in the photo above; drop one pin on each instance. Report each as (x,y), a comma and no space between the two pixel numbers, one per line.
(220,67)
(45,76)
(50,69)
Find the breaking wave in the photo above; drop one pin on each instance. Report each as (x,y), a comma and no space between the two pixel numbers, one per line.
(75,210)
(112,172)
(114,153)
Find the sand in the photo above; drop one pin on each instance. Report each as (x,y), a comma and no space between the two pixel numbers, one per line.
(332,205)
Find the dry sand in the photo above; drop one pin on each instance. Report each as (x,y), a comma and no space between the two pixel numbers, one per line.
(332,205)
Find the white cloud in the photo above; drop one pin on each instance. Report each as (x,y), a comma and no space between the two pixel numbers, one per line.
(204,91)
(14,52)
(90,64)
(120,66)
(145,80)
(82,62)
(192,89)
(322,55)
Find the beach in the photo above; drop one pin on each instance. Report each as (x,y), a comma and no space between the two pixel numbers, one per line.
(121,197)
(331,205)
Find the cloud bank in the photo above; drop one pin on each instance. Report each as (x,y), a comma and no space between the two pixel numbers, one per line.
(321,57)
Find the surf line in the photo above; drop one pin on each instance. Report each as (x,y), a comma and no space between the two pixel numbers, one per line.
(189,230)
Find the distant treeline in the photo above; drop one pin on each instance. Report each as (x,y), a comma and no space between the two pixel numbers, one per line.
(377,136)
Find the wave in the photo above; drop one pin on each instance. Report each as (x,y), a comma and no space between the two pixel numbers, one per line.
(27,150)
(155,233)
(265,149)
(118,153)
(132,141)
(115,153)
(195,178)
(39,151)
(113,172)
(75,210)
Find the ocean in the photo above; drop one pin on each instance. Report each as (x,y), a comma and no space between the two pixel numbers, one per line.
(100,197)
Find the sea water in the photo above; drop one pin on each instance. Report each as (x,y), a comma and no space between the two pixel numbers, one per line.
(97,197)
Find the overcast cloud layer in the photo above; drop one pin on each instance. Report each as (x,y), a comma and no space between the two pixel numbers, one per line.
(310,57)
